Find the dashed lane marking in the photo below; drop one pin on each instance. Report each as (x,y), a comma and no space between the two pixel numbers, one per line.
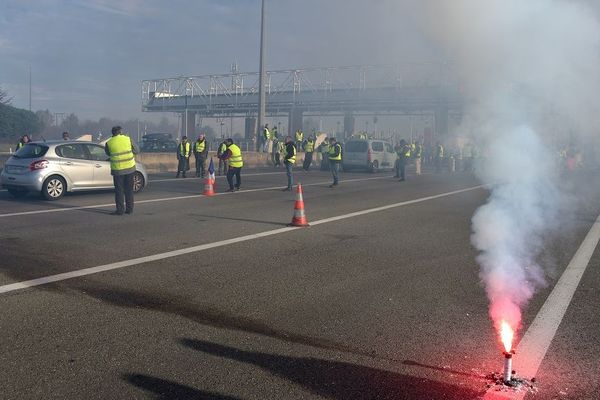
(194,249)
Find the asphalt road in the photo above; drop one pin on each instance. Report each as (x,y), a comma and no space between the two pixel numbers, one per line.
(384,305)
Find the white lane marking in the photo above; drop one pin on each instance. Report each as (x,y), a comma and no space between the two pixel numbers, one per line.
(161,256)
(193,178)
(535,342)
(193,196)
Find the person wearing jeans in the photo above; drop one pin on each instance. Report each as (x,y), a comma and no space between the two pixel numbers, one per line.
(289,161)
(335,159)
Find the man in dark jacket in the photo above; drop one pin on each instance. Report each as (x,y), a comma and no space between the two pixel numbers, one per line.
(183,156)
(200,153)
(403,151)
(335,159)
(289,160)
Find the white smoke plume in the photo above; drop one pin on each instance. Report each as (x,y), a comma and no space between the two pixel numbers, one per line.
(530,72)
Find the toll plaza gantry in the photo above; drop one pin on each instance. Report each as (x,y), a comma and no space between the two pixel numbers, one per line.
(407,89)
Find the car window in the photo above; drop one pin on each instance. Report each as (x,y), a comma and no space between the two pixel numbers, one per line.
(356,147)
(96,152)
(377,146)
(72,150)
(31,151)
(388,148)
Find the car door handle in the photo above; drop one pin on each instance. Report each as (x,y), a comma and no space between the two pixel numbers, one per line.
(68,163)
(98,166)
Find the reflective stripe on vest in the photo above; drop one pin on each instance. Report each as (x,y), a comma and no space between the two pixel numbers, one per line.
(236,157)
(222,148)
(200,146)
(184,152)
(310,146)
(292,157)
(121,153)
(332,152)
(267,134)
(19,145)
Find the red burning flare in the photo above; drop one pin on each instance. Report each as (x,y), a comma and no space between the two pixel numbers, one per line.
(506,335)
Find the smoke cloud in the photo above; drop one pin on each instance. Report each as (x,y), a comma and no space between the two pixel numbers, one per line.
(529,72)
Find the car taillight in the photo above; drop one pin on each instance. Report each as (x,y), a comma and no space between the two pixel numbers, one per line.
(40,164)
(369,155)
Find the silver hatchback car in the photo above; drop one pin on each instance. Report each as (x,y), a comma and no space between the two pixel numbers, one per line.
(55,167)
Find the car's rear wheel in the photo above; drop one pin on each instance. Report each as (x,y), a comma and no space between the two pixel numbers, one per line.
(17,192)
(54,188)
(374,167)
(138,182)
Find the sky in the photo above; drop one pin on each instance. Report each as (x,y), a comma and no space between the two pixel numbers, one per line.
(89,57)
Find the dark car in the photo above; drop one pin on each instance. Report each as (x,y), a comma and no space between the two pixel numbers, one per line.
(158,143)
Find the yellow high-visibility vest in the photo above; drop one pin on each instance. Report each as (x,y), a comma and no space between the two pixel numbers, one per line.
(121,153)
(200,146)
(184,149)
(236,156)
(310,146)
(292,157)
(332,152)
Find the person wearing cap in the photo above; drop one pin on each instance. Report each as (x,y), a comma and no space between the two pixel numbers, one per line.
(233,155)
(200,154)
(65,136)
(122,167)
(183,156)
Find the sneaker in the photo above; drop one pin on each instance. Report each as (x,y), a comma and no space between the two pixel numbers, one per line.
(237,189)
(231,190)
(116,213)
(128,211)
(286,189)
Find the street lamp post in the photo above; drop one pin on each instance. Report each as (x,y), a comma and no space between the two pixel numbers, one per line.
(261,79)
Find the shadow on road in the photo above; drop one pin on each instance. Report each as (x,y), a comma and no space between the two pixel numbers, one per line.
(167,390)
(337,379)
(214,318)
(442,369)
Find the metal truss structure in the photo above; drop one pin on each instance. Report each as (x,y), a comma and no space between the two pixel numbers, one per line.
(394,88)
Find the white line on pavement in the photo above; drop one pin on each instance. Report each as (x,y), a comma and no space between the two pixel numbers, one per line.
(536,341)
(161,256)
(193,196)
(218,176)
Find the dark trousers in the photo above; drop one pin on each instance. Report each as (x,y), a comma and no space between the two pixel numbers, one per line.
(123,192)
(335,170)
(307,160)
(290,178)
(200,161)
(222,164)
(238,179)
(401,169)
(325,162)
(183,165)
(277,160)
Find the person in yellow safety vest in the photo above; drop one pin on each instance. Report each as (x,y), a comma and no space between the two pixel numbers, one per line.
(299,138)
(24,140)
(418,153)
(267,137)
(439,157)
(403,151)
(183,156)
(122,167)
(324,150)
(289,161)
(335,159)
(413,147)
(309,148)
(200,154)
(234,156)
(220,151)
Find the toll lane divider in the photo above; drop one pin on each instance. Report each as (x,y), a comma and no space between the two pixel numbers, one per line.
(194,249)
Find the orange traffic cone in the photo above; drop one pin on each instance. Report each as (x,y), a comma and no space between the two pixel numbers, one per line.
(299,218)
(208,187)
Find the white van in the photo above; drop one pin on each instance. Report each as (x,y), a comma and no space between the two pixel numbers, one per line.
(370,154)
